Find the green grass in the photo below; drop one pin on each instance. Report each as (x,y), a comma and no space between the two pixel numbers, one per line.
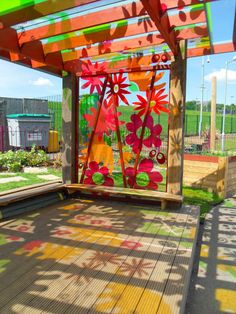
(31,179)
(206,200)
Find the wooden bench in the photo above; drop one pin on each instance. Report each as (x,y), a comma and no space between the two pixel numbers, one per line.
(12,196)
(148,195)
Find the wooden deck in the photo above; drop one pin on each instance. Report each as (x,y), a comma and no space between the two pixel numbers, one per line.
(90,256)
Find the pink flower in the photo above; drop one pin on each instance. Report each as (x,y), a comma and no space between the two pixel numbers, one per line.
(146,178)
(97,176)
(153,137)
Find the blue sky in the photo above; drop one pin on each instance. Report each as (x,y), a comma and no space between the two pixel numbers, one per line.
(18,81)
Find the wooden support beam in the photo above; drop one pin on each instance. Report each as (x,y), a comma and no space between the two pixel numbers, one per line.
(70,105)
(9,41)
(176,122)
(142,63)
(173,4)
(162,23)
(213,114)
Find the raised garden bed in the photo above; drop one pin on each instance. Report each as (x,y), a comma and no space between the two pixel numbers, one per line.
(213,173)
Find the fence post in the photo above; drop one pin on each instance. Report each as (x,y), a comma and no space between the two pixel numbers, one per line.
(197,124)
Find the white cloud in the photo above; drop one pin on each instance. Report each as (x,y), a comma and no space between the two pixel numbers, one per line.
(42,82)
(220,76)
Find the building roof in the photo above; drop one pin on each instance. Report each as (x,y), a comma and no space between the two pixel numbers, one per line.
(89,36)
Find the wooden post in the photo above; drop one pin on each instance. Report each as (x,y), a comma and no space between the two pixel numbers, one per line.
(176,122)
(70,144)
(213,115)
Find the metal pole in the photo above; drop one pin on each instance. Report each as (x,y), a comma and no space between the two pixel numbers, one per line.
(202,97)
(213,115)
(223,125)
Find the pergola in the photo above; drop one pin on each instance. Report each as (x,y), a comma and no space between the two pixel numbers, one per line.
(107,40)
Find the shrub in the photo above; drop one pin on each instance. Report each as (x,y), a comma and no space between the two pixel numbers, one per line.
(15,161)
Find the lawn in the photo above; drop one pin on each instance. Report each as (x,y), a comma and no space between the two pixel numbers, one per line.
(206,200)
(31,178)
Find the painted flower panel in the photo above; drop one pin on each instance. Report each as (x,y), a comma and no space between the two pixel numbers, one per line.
(106,121)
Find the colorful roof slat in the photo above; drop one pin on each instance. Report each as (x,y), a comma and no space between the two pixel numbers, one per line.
(55,35)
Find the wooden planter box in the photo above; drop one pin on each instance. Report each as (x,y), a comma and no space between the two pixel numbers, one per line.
(216,174)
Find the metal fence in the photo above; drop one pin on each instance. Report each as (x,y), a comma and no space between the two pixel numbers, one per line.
(192,141)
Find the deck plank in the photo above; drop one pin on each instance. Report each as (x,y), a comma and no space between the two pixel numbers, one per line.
(91,256)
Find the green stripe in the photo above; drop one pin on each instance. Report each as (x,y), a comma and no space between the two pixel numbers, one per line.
(16,5)
(209,17)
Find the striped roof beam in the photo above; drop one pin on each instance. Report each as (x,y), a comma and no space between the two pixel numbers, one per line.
(97,34)
(29,10)
(209,24)
(154,9)
(119,29)
(107,15)
(176,4)
(126,44)
(114,46)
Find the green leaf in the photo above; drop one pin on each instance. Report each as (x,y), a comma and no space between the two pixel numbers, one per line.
(133,87)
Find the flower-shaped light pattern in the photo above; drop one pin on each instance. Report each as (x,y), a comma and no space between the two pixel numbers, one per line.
(151,139)
(106,122)
(157,103)
(96,175)
(117,89)
(94,81)
(146,178)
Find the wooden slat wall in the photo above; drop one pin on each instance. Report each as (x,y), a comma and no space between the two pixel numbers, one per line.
(201,174)
(216,174)
(231,177)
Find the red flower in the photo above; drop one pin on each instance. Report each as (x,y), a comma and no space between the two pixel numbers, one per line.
(154,131)
(32,245)
(146,178)
(13,238)
(95,82)
(117,89)
(106,121)
(97,222)
(23,228)
(98,176)
(82,217)
(156,104)
(131,244)
(61,232)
